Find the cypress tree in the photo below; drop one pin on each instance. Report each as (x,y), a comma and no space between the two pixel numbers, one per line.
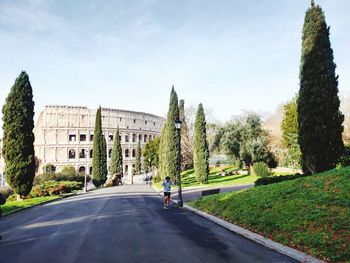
(99,154)
(18,148)
(200,145)
(138,159)
(171,139)
(117,156)
(186,142)
(319,118)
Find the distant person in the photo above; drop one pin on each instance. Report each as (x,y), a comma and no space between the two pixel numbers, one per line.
(167,191)
(2,201)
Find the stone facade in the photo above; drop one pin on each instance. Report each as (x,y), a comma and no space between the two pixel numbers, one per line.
(64,135)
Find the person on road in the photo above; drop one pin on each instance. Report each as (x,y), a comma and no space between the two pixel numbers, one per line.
(2,201)
(167,191)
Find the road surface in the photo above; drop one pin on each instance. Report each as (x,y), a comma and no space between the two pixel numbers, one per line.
(121,224)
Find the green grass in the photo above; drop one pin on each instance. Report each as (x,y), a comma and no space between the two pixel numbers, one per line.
(189,179)
(12,206)
(311,213)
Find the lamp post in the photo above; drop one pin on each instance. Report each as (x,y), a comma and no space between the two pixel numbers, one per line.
(178,128)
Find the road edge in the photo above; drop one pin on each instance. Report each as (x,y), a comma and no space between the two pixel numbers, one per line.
(43,203)
(285,250)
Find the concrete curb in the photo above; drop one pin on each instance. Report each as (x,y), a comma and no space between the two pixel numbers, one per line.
(43,203)
(288,251)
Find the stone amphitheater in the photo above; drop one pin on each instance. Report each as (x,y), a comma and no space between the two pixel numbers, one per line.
(64,135)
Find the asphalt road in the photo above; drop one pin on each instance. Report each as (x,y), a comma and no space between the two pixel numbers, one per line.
(121,224)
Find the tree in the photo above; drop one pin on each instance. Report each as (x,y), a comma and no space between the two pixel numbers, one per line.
(99,153)
(186,142)
(138,159)
(200,145)
(150,153)
(117,156)
(246,140)
(289,127)
(170,140)
(18,147)
(319,118)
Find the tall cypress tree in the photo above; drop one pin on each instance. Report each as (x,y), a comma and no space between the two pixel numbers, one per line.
(319,118)
(18,148)
(200,145)
(186,142)
(171,139)
(117,156)
(138,159)
(99,154)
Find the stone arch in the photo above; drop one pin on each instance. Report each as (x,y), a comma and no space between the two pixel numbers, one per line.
(145,138)
(126,153)
(71,154)
(110,153)
(90,170)
(82,169)
(133,153)
(90,154)
(126,137)
(133,137)
(82,153)
(140,137)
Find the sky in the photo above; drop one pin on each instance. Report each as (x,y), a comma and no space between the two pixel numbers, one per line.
(230,55)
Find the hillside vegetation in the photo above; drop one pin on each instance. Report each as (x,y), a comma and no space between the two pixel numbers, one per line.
(311,214)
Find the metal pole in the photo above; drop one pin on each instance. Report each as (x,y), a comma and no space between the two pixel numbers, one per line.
(180,202)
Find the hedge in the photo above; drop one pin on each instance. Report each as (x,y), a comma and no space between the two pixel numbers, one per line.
(277,179)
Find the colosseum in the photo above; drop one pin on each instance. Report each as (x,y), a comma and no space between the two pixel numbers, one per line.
(64,135)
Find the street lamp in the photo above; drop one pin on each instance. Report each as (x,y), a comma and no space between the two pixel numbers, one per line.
(178,128)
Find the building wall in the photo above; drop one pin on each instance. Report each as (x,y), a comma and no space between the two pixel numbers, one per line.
(61,130)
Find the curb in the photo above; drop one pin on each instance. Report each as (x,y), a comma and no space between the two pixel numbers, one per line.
(285,250)
(43,203)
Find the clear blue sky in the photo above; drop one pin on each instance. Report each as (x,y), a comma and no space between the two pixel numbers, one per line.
(231,55)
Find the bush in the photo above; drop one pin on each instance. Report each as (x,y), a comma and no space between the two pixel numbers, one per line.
(68,170)
(261,169)
(59,177)
(6,191)
(238,164)
(277,179)
(55,188)
(157,179)
(345,158)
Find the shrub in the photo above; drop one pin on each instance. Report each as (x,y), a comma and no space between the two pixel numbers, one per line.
(59,177)
(6,191)
(68,170)
(261,169)
(157,179)
(55,188)
(277,179)
(238,164)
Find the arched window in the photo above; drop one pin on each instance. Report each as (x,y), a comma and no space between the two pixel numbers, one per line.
(82,169)
(126,153)
(133,152)
(150,137)
(82,153)
(145,138)
(110,137)
(133,137)
(71,154)
(126,169)
(110,153)
(90,155)
(90,170)
(140,137)
(126,137)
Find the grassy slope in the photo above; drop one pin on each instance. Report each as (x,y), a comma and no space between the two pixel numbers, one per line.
(311,214)
(11,206)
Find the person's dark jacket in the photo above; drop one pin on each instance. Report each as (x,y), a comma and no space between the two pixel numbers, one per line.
(2,201)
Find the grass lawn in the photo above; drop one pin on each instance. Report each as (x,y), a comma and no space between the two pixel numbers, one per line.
(12,206)
(189,179)
(311,214)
